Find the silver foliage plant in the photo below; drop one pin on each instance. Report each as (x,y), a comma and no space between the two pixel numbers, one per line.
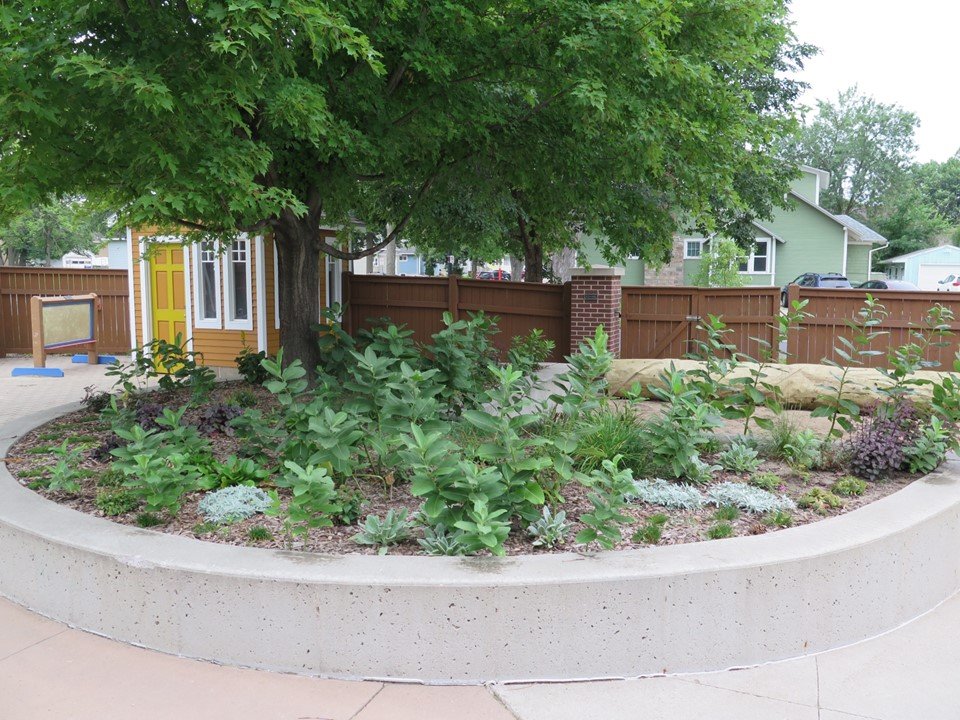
(667,494)
(232,504)
(749,498)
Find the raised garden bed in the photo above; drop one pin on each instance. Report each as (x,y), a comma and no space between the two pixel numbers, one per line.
(32,457)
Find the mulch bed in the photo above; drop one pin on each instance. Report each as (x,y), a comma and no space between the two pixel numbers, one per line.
(84,429)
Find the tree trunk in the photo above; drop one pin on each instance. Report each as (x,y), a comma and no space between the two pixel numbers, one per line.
(390,259)
(300,258)
(516,268)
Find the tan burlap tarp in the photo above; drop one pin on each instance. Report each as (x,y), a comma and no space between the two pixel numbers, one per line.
(801,385)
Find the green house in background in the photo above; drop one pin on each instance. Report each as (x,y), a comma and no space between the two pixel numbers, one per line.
(800,239)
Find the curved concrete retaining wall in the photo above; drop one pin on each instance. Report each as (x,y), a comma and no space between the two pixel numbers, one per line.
(696,607)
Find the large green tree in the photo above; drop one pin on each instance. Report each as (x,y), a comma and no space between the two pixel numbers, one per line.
(47,231)
(277,115)
(866,145)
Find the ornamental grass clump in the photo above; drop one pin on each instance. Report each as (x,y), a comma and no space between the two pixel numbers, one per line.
(233,504)
(749,498)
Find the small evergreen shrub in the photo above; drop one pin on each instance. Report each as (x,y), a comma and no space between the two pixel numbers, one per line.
(232,504)
(667,494)
(746,497)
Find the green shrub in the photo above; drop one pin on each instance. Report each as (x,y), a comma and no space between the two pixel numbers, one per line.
(528,352)
(394,528)
(250,366)
(849,486)
(819,500)
(930,447)
(243,398)
(608,488)
(605,434)
(766,481)
(740,457)
(720,531)
(439,541)
(170,364)
(314,499)
(114,502)
(550,529)
(148,519)
(727,513)
(258,533)
(779,518)
(677,437)
(652,530)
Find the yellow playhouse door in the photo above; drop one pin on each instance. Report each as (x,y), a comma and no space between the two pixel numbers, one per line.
(167,292)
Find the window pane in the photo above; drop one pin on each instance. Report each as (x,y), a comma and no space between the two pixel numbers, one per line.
(743,267)
(208,290)
(239,291)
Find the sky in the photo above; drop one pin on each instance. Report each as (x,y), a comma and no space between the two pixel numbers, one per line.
(900,52)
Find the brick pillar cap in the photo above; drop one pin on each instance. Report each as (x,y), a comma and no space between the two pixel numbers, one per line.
(598,271)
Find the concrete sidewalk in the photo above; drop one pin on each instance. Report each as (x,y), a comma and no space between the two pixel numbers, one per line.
(48,670)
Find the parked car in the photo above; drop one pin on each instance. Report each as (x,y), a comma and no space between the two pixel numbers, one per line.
(901,285)
(493,275)
(815,280)
(951,283)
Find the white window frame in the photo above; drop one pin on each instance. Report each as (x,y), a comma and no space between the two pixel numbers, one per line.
(753,255)
(276,287)
(337,295)
(686,248)
(231,323)
(214,323)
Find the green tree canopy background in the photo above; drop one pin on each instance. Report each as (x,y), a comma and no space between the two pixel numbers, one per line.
(277,115)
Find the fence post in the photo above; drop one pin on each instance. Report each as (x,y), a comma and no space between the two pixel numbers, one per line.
(793,335)
(595,299)
(3,344)
(453,296)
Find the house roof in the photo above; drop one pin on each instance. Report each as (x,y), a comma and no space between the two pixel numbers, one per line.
(866,233)
(768,231)
(860,232)
(915,253)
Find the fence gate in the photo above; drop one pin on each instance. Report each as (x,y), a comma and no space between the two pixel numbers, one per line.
(661,322)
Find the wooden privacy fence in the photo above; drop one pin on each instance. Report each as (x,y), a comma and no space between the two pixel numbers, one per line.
(661,322)
(419,303)
(19,284)
(830,309)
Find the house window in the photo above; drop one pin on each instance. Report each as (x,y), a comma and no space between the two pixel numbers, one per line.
(334,282)
(236,270)
(276,287)
(207,285)
(757,261)
(692,249)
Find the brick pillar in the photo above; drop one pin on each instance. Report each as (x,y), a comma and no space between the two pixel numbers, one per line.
(595,300)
